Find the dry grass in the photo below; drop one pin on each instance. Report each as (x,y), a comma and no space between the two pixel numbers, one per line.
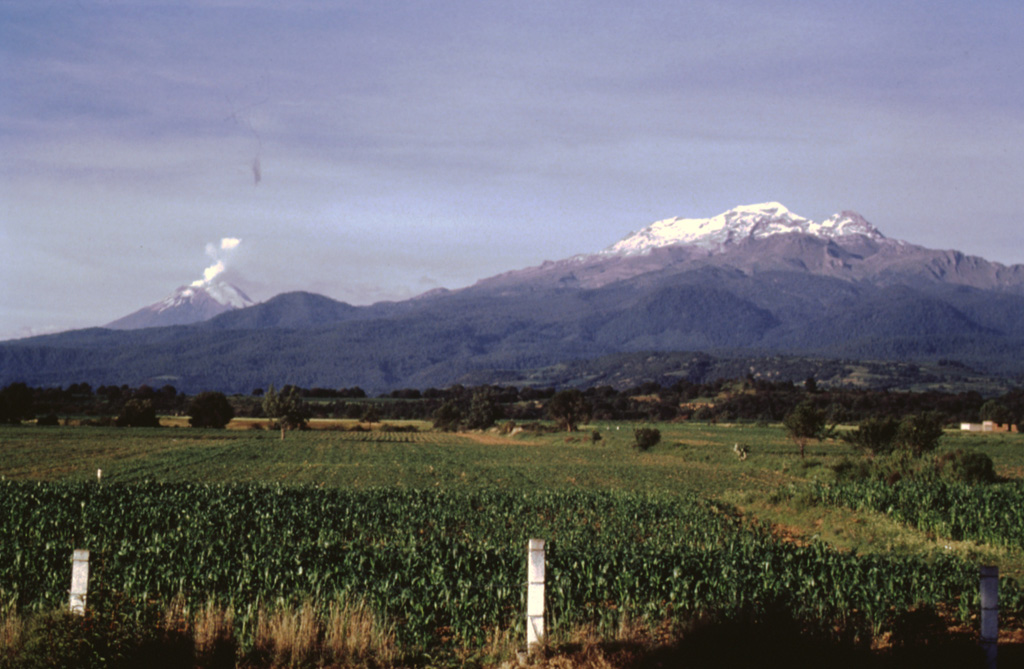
(12,635)
(288,638)
(213,628)
(352,632)
(586,647)
(347,634)
(491,439)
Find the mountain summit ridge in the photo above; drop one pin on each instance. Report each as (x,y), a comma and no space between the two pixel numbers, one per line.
(755,221)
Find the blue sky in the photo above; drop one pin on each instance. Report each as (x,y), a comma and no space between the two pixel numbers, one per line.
(402,146)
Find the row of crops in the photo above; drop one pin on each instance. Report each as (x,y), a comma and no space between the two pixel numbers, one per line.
(449,567)
(959,511)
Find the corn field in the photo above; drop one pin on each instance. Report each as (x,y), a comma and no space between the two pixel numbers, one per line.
(448,568)
(959,511)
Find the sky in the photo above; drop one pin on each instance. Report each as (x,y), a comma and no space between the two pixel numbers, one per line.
(376,150)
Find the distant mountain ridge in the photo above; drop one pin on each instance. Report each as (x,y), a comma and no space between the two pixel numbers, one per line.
(755,281)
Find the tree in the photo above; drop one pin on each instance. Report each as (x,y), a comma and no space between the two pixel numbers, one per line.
(920,433)
(370,414)
(875,435)
(448,416)
(210,409)
(137,413)
(483,409)
(805,422)
(166,399)
(996,412)
(16,403)
(569,408)
(287,408)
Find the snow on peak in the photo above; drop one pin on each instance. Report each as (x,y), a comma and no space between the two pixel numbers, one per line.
(198,292)
(848,223)
(753,221)
(229,295)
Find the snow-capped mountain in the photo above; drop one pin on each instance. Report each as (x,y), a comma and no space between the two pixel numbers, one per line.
(755,279)
(194,303)
(757,221)
(759,238)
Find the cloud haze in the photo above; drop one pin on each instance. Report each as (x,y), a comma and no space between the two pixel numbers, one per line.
(372,151)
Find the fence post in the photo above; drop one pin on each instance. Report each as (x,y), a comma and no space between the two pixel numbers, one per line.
(990,614)
(535,593)
(79,581)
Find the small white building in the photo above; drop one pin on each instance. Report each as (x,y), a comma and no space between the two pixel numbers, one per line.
(987,426)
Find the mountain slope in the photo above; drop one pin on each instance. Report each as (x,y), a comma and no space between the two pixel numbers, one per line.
(757,280)
(288,310)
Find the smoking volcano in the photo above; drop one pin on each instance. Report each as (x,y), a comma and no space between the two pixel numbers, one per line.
(198,301)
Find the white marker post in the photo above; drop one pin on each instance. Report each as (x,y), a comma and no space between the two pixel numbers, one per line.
(990,614)
(79,581)
(99,476)
(535,594)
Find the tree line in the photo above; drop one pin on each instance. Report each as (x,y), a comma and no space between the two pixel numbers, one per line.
(474,407)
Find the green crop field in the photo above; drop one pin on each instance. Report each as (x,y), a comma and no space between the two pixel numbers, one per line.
(429,530)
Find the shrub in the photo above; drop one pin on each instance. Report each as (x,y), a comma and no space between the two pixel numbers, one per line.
(896,466)
(849,470)
(48,419)
(875,435)
(644,438)
(389,427)
(112,633)
(966,467)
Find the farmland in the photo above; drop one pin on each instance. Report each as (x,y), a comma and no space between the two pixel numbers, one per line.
(427,530)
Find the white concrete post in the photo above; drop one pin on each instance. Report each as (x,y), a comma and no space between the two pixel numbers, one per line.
(79,581)
(99,476)
(535,593)
(990,613)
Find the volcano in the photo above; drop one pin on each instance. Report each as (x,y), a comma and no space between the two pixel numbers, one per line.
(194,303)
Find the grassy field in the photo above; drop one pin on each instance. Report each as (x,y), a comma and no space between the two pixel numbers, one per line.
(694,461)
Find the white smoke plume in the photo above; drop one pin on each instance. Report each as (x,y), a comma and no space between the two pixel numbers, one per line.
(219,254)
